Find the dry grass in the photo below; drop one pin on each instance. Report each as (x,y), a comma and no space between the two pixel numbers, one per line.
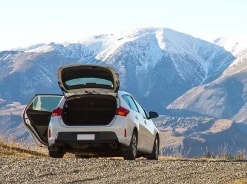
(18,149)
(240,181)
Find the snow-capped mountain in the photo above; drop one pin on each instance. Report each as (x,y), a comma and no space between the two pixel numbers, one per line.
(157,65)
(224,97)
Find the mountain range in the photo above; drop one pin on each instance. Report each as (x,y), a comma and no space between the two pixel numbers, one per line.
(224,97)
(172,73)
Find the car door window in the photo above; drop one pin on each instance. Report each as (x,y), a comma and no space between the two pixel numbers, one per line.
(44,103)
(140,109)
(130,102)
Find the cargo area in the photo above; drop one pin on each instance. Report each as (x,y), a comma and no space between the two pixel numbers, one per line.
(89,110)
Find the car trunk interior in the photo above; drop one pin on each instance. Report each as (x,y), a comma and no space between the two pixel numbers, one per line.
(89,110)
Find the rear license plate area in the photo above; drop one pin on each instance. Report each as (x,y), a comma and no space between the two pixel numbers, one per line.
(85,137)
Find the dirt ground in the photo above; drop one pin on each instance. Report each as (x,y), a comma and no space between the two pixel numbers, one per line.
(72,170)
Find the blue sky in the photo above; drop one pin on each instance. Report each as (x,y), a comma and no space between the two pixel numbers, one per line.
(26,22)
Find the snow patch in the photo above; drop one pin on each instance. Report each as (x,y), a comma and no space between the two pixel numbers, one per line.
(235,45)
(42,48)
(161,40)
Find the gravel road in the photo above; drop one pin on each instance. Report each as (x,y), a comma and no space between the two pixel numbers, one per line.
(72,170)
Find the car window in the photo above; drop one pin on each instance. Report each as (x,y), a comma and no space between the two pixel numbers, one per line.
(130,102)
(141,110)
(88,82)
(45,103)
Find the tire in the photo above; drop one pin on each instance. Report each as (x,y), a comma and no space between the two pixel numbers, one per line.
(56,153)
(155,153)
(131,152)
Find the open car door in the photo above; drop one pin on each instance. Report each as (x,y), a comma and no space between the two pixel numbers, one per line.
(37,115)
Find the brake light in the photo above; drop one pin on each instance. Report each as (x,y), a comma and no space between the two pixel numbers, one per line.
(57,112)
(49,133)
(122,111)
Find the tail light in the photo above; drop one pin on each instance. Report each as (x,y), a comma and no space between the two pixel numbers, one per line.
(122,111)
(57,112)
(49,133)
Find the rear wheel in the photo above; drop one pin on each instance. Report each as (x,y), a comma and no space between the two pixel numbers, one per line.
(56,153)
(131,152)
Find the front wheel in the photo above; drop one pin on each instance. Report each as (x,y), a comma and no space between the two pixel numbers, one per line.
(155,153)
(131,152)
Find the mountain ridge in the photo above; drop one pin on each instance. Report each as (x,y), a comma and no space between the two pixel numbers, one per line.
(225,97)
(140,52)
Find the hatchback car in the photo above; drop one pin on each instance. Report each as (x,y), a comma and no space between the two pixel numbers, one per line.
(92,117)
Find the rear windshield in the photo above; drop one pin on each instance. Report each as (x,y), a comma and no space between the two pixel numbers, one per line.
(90,82)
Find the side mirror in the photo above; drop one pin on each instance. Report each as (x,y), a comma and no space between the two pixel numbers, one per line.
(153,115)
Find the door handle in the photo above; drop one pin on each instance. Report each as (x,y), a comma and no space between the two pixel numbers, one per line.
(145,122)
(136,116)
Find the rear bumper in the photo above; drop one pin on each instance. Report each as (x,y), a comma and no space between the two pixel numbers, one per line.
(90,143)
(112,133)
(88,137)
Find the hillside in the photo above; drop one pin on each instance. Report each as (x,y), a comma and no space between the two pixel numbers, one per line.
(17,149)
(196,136)
(225,97)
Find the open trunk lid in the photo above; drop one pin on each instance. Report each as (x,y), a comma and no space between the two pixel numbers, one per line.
(87,79)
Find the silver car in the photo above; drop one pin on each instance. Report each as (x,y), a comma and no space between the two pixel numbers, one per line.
(92,117)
